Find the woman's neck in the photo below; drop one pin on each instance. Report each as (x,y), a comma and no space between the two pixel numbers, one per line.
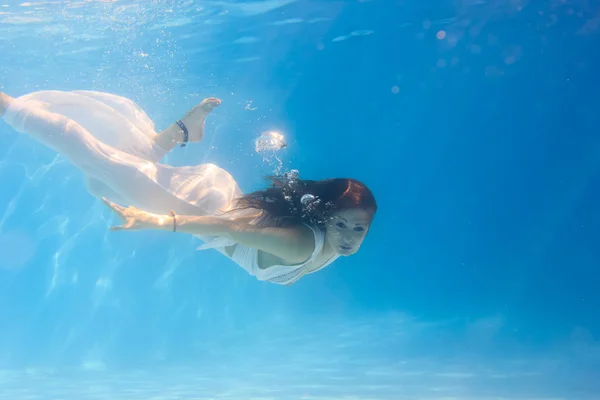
(327,250)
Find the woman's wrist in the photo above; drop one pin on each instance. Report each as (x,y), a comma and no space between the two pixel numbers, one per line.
(159,222)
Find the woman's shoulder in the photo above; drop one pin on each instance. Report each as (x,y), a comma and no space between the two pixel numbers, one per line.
(310,234)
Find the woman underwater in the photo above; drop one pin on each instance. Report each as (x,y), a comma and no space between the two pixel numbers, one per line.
(279,234)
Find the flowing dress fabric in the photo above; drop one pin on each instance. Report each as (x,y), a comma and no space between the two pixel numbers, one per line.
(111,140)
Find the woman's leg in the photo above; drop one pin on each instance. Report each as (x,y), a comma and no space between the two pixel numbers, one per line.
(134,179)
(194,122)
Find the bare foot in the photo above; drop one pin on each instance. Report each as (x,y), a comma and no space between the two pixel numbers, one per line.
(194,122)
(195,119)
(5,101)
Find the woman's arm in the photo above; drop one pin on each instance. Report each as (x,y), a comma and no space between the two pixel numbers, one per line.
(293,245)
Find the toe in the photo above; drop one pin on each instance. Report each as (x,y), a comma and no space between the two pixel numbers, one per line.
(210,103)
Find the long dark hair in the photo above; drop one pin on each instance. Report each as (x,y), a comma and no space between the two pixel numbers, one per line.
(291,200)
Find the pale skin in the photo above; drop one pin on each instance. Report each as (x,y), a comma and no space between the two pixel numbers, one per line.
(193,120)
(344,231)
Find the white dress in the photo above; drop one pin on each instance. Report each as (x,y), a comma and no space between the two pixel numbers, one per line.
(247,258)
(110,139)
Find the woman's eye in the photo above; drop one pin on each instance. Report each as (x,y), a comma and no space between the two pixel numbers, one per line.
(341,225)
(359,229)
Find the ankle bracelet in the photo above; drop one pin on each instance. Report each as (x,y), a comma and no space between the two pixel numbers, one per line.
(185,132)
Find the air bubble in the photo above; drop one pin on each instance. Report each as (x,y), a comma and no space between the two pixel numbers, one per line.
(268,144)
(307,199)
(270,141)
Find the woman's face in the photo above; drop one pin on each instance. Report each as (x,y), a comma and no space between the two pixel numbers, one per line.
(346,230)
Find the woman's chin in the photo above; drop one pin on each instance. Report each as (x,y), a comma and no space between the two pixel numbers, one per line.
(345,251)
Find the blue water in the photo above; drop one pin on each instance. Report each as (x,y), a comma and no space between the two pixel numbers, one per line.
(475,123)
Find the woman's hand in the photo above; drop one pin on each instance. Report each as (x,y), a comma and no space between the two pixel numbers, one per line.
(135,219)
